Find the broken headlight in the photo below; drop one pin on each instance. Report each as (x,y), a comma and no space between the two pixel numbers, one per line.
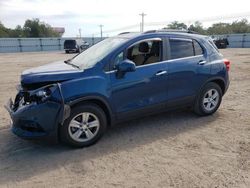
(41,94)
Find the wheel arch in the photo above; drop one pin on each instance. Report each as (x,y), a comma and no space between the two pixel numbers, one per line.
(99,101)
(219,81)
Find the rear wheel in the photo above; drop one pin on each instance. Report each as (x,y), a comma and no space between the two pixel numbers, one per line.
(208,100)
(85,126)
(66,51)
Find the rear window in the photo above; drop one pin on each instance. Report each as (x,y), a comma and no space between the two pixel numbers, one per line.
(181,48)
(70,42)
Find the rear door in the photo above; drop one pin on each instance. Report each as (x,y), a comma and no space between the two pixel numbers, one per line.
(188,69)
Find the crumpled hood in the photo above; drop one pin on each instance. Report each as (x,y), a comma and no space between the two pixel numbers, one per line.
(53,72)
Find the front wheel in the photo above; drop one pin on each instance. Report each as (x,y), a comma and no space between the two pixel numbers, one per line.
(208,101)
(84,127)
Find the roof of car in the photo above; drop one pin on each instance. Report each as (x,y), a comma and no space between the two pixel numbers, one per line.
(177,33)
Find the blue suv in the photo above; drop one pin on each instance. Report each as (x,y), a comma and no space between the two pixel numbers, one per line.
(120,78)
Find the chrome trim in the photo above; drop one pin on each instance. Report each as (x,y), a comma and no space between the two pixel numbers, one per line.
(142,66)
(166,61)
(202,62)
(144,40)
(161,73)
(182,39)
(183,58)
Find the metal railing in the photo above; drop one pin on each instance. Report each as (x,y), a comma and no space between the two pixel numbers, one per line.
(54,44)
(237,40)
(36,44)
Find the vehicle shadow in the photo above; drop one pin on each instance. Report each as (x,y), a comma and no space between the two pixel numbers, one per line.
(21,159)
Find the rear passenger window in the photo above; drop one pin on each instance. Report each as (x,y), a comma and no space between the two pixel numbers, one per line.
(197,48)
(181,48)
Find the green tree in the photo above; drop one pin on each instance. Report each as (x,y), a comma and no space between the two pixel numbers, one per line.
(197,27)
(176,25)
(35,28)
(3,31)
(220,28)
(17,32)
(241,26)
(31,28)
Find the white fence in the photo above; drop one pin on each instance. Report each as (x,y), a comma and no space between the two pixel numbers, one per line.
(237,40)
(54,44)
(36,44)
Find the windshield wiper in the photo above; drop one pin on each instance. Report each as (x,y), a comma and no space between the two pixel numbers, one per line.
(73,65)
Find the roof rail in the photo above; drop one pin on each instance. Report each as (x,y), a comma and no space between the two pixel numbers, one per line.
(150,31)
(171,30)
(123,33)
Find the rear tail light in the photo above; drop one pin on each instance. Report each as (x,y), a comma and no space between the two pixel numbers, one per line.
(227,63)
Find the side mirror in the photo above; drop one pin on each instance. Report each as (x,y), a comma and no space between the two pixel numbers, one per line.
(125,66)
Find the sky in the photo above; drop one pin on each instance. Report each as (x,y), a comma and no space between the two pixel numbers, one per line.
(118,16)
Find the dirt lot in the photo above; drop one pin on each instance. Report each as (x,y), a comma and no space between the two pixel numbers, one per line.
(176,149)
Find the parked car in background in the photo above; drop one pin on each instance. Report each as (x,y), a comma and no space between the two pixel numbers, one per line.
(118,79)
(221,43)
(75,45)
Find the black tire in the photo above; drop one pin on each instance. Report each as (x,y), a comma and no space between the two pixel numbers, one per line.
(78,50)
(199,107)
(66,51)
(90,108)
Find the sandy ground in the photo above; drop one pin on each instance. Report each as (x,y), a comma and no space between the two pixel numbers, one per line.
(174,149)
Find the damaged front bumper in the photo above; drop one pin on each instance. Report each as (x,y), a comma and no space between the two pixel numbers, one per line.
(36,118)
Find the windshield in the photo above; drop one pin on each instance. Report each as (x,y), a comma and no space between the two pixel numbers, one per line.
(94,54)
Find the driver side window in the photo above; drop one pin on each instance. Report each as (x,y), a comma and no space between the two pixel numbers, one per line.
(143,53)
(146,52)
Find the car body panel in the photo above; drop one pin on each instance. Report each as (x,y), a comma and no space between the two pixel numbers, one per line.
(37,119)
(58,71)
(135,94)
(139,89)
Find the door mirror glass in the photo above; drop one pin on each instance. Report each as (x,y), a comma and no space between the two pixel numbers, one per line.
(124,67)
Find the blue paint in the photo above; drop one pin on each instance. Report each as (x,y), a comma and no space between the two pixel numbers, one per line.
(136,92)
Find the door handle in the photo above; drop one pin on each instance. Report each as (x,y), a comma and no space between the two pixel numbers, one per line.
(161,73)
(201,62)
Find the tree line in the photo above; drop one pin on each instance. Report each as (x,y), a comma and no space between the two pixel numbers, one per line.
(31,28)
(36,28)
(241,26)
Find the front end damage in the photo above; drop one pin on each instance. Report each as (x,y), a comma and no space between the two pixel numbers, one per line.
(37,113)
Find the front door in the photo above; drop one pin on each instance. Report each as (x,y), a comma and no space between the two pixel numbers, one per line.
(144,90)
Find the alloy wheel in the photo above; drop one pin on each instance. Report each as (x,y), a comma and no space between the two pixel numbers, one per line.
(211,100)
(84,127)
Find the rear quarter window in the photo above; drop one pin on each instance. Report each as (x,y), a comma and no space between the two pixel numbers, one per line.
(211,42)
(198,50)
